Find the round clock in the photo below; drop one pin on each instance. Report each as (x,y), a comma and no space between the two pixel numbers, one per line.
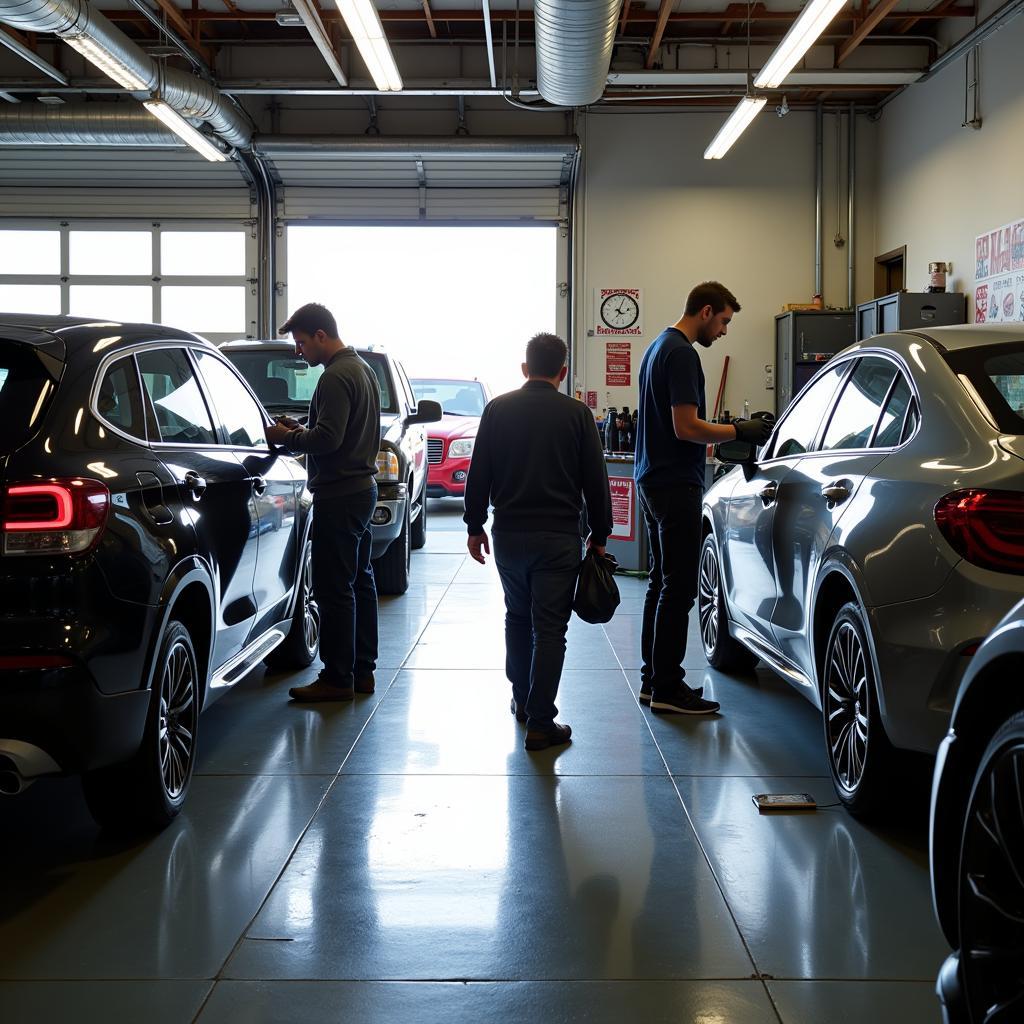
(620,311)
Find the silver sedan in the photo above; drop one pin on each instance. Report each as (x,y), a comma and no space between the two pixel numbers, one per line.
(875,540)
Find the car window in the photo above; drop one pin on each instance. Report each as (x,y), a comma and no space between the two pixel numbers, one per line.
(913,418)
(119,401)
(410,397)
(26,389)
(890,426)
(996,374)
(457,397)
(856,413)
(280,379)
(237,413)
(181,413)
(796,433)
(378,362)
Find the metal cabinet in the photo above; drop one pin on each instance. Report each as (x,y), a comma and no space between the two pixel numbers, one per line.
(903,311)
(803,341)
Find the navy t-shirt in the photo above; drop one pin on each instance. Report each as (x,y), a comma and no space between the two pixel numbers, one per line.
(670,374)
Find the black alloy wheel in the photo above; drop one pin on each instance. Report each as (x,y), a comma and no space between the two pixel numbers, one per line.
(300,647)
(178,718)
(720,648)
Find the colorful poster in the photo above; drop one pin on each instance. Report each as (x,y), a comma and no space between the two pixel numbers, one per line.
(981,258)
(591,399)
(1002,307)
(1017,246)
(623,489)
(999,275)
(980,303)
(618,364)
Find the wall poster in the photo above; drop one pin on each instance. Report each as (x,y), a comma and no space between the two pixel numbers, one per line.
(618,364)
(999,275)
(623,503)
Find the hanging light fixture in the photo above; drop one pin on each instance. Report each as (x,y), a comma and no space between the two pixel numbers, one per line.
(747,109)
(186,132)
(803,34)
(367,32)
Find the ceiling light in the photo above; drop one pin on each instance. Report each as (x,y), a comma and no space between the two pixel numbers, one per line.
(288,19)
(363,22)
(113,67)
(310,17)
(195,138)
(813,20)
(747,109)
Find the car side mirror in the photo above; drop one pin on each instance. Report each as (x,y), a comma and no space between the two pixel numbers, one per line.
(738,453)
(426,412)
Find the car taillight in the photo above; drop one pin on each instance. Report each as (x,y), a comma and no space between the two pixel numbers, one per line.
(54,517)
(985,527)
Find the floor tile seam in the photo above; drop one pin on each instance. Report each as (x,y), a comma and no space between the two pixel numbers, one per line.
(320,803)
(747,979)
(503,775)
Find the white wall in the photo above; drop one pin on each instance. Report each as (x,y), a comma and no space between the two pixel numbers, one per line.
(656,215)
(940,184)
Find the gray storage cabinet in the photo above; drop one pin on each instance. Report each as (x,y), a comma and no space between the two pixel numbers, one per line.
(803,342)
(903,311)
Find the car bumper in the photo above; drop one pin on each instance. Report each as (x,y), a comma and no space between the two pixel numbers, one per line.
(950,991)
(920,649)
(448,479)
(388,517)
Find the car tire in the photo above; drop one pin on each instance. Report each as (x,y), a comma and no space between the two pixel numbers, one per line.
(391,570)
(300,646)
(991,897)
(419,528)
(722,650)
(860,756)
(148,790)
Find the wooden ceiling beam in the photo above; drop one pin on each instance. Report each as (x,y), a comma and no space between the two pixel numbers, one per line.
(659,31)
(430,19)
(878,14)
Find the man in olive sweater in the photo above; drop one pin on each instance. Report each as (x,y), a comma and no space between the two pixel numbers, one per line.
(340,442)
(537,459)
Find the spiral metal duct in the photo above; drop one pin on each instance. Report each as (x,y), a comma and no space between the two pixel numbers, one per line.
(574,48)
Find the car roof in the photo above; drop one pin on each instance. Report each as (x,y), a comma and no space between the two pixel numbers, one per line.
(278,345)
(963,336)
(77,331)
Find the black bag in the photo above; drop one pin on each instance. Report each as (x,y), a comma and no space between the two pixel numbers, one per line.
(597,595)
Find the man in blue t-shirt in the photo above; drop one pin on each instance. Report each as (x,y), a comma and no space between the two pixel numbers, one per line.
(672,435)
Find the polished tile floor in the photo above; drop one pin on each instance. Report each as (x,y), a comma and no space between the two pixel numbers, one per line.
(403,859)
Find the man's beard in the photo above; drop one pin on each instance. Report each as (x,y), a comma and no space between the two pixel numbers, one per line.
(704,340)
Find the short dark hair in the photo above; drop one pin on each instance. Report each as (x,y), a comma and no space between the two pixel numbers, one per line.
(545,355)
(309,319)
(713,294)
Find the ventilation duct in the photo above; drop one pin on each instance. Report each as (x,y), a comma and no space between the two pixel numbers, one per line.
(190,96)
(574,48)
(83,124)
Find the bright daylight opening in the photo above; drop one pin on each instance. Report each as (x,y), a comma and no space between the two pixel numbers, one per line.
(453,302)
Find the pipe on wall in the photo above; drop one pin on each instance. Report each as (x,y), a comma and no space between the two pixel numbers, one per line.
(851,192)
(819,185)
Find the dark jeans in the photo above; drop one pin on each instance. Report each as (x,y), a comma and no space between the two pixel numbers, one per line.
(344,587)
(673,523)
(538,573)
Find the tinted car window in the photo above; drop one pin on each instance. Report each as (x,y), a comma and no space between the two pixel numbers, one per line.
(997,374)
(379,364)
(457,397)
(797,431)
(237,413)
(25,391)
(181,413)
(277,377)
(890,427)
(856,412)
(119,401)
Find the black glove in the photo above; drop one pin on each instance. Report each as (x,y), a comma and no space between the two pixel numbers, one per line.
(754,432)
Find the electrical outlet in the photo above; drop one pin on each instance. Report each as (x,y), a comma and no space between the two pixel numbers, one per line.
(769,377)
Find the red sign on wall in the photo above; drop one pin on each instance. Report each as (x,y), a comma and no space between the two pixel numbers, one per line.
(591,399)
(618,364)
(623,523)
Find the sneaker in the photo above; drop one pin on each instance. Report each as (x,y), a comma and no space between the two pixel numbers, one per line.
(555,735)
(320,691)
(520,713)
(365,683)
(644,695)
(683,702)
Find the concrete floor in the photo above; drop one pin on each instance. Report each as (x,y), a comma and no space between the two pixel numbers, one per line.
(403,859)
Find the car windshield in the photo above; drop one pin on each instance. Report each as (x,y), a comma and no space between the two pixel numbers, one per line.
(996,373)
(25,391)
(457,397)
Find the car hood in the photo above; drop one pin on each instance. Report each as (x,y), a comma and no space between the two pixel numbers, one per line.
(450,427)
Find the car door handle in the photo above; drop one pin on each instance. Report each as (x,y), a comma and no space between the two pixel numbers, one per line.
(259,485)
(769,494)
(195,483)
(835,494)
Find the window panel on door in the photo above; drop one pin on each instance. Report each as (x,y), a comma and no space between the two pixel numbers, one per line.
(890,426)
(29,252)
(119,401)
(172,386)
(124,253)
(796,433)
(856,413)
(237,412)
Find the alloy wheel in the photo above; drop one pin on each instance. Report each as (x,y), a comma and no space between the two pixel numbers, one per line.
(178,714)
(707,599)
(846,706)
(310,609)
(992,892)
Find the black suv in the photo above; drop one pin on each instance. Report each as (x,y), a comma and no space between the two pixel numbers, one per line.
(154,550)
(285,385)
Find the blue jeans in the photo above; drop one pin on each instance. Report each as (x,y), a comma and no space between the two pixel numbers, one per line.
(538,574)
(344,587)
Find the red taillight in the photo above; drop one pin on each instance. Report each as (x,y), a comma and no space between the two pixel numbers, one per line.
(54,516)
(985,527)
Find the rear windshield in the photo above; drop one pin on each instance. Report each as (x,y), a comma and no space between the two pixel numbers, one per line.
(457,397)
(25,393)
(997,374)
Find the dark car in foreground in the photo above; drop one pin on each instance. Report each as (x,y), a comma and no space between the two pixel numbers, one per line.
(285,384)
(977,835)
(875,541)
(154,549)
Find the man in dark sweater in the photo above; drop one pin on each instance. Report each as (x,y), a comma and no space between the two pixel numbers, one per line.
(340,441)
(672,436)
(537,459)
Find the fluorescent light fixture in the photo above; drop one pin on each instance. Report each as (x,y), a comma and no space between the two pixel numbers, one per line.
(113,67)
(310,17)
(363,22)
(813,20)
(747,109)
(288,19)
(196,139)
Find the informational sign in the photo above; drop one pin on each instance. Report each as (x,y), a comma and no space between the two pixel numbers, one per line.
(999,275)
(618,312)
(623,489)
(591,399)
(618,371)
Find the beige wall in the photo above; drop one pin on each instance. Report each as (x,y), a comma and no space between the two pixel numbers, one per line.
(939,184)
(655,215)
